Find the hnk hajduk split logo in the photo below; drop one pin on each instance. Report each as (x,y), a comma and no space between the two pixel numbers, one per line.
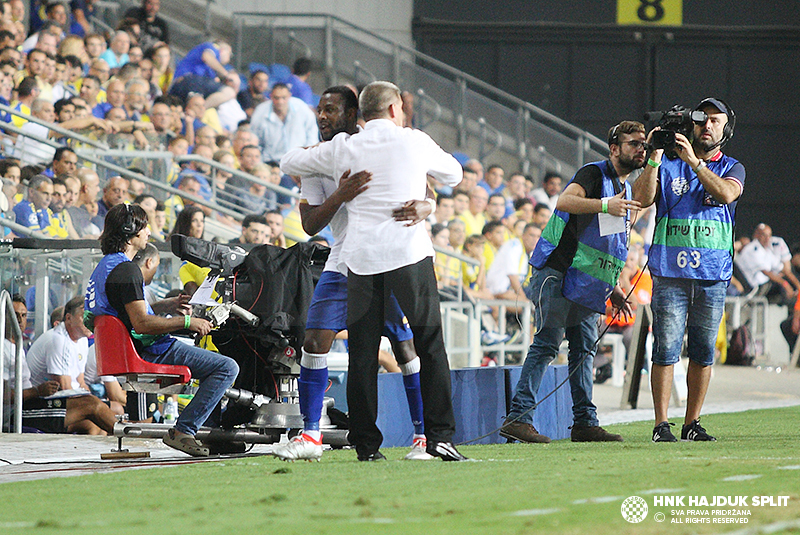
(634,509)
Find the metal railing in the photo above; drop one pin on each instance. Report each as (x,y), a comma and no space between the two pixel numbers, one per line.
(7,307)
(532,137)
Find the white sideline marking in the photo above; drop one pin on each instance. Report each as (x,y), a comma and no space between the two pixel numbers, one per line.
(535,512)
(659,491)
(791,467)
(13,525)
(601,499)
(743,477)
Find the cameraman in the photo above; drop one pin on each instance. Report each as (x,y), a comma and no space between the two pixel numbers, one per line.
(691,258)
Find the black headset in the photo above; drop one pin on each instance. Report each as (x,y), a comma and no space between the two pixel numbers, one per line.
(727,130)
(129,226)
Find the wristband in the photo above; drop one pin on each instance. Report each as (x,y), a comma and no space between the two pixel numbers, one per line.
(187,321)
(653,164)
(432,202)
(604,204)
(699,166)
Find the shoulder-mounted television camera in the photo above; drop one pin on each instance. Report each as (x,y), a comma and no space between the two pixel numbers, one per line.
(678,119)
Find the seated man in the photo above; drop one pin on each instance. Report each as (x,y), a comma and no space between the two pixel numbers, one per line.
(255,230)
(35,212)
(116,287)
(82,414)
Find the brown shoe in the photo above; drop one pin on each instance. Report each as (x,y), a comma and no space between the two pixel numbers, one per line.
(593,433)
(522,432)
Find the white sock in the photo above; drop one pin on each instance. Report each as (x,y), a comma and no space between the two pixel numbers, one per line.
(315,435)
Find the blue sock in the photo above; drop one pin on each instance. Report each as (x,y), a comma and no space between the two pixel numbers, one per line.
(311,387)
(414,394)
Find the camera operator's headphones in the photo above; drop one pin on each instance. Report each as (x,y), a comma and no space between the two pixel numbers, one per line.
(721,105)
(129,226)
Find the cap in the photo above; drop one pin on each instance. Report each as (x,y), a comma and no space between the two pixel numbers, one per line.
(721,106)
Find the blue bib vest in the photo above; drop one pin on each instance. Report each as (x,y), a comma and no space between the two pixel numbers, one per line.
(598,259)
(693,238)
(96,304)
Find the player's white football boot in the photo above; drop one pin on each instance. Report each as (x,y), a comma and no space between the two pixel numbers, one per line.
(301,447)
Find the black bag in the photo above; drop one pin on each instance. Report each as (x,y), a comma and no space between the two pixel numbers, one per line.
(740,347)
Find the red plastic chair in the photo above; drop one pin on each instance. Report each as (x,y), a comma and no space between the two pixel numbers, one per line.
(116,355)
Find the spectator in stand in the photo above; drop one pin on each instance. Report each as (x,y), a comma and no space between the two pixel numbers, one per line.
(548,193)
(201,171)
(460,202)
(114,193)
(203,70)
(154,29)
(249,158)
(475,167)
(242,138)
(525,210)
(163,71)
(95,45)
(457,234)
(175,204)
(255,93)
(115,98)
(275,221)
(514,190)
(28,150)
(765,263)
(35,213)
(444,209)
(222,191)
(298,81)
(495,207)
(506,275)
(82,11)
(135,54)
(474,217)
(62,196)
(161,118)
(117,53)
(493,180)
(149,205)
(190,222)
(255,230)
(495,235)
(541,215)
(468,181)
(474,277)
(64,161)
(283,123)
(86,204)
(137,102)
(83,414)
(27,92)
(447,268)
(256,200)
(207,137)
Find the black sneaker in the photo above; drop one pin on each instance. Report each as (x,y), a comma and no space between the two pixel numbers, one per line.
(694,432)
(445,451)
(370,457)
(662,433)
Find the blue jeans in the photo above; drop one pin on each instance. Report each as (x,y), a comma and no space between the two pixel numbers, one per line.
(215,372)
(678,303)
(556,316)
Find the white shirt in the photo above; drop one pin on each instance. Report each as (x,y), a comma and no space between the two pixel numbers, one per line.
(754,259)
(55,353)
(509,261)
(541,196)
(9,355)
(276,137)
(399,160)
(31,152)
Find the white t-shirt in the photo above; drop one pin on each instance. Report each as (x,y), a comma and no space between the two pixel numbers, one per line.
(55,353)
(9,354)
(754,259)
(510,260)
(400,160)
(90,376)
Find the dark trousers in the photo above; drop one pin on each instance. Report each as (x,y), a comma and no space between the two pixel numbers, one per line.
(414,287)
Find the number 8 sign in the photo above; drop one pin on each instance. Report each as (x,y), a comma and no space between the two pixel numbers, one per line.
(650,12)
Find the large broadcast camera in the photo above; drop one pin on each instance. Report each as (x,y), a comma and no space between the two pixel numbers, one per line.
(677,120)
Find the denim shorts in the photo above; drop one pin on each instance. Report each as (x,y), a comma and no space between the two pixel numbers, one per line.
(691,306)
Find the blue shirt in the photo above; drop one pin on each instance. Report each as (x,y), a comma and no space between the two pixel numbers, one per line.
(193,62)
(276,137)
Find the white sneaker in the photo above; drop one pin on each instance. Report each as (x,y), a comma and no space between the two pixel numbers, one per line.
(418,452)
(301,447)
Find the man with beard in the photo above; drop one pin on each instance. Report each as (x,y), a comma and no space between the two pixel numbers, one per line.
(322,203)
(590,228)
(698,189)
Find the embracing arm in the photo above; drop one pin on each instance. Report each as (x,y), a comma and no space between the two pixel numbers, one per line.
(316,217)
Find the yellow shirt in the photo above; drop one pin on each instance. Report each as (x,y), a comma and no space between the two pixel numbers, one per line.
(189,272)
(473,223)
